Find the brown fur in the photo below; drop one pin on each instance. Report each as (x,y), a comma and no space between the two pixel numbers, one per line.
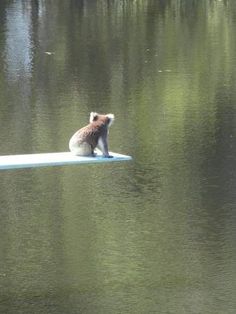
(93,135)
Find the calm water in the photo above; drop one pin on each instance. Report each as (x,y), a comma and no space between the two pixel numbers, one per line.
(155,235)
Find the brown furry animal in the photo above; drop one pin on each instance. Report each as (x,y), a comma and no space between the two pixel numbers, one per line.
(93,135)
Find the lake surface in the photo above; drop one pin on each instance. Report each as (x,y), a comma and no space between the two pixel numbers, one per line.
(155,235)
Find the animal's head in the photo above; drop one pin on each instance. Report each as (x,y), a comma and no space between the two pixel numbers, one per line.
(106,118)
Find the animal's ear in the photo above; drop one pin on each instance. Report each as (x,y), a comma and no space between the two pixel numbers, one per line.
(111,118)
(93,116)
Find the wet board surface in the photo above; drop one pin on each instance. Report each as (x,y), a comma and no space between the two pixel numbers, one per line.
(54,159)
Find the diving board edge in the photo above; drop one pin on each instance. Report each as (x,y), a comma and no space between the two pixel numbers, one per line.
(54,159)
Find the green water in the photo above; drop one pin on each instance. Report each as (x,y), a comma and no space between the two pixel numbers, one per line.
(155,235)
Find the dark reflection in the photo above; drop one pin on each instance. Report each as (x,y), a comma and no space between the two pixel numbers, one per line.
(31,242)
(152,236)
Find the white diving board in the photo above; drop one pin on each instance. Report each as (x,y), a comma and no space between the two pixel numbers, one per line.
(54,159)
